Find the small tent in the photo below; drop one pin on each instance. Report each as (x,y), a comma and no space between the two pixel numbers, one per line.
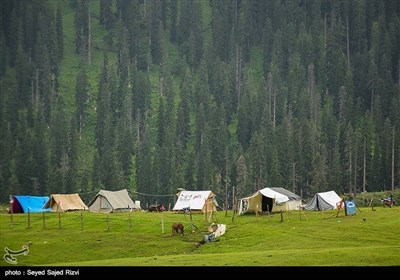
(28,203)
(324,201)
(196,201)
(112,201)
(65,202)
(270,200)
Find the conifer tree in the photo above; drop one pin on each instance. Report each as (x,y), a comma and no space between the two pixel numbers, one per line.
(144,165)
(59,32)
(81,98)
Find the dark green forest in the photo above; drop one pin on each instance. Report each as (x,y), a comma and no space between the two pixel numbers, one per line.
(224,95)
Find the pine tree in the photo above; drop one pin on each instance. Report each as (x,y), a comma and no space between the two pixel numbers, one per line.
(124,149)
(144,165)
(3,53)
(40,154)
(106,17)
(173,7)
(72,152)
(23,154)
(103,106)
(81,98)
(59,32)
(242,177)
(161,122)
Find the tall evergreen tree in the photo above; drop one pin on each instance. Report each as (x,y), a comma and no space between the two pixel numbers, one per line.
(173,8)
(81,97)
(40,152)
(106,17)
(72,153)
(242,177)
(3,53)
(144,165)
(59,32)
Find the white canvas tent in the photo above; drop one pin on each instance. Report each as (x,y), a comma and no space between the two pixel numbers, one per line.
(270,200)
(112,201)
(196,201)
(324,201)
(65,202)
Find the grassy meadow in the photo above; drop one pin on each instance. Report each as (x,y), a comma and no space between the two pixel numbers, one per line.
(296,238)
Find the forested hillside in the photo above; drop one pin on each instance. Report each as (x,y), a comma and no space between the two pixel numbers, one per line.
(224,95)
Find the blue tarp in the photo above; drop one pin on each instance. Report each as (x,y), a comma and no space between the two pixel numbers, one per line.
(25,203)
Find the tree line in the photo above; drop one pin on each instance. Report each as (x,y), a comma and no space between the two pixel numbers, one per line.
(226,95)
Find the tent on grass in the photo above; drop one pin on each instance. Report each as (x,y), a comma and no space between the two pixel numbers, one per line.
(324,201)
(270,200)
(29,203)
(65,202)
(196,201)
(112,201)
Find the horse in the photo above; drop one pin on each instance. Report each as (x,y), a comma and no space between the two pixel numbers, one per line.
(177,228)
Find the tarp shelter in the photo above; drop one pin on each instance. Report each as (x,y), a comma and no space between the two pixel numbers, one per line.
(65,202)
(112,201)
(25,203)
(324,201)
(196,201)
(270,200)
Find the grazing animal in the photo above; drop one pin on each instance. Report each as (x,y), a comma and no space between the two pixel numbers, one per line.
(156,208)
(177,228)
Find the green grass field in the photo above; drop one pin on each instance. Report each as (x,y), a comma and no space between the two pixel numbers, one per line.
(137,239)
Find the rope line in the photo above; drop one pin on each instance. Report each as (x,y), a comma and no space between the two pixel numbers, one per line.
(152,194)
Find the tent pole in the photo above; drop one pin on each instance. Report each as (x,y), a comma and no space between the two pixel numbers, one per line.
(59,219)
(130,221)
(257,213)
(162,222)
(11,208)
(108,222)
(81,220)
(205,206)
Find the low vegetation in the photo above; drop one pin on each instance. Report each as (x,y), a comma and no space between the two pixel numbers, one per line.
(296,238)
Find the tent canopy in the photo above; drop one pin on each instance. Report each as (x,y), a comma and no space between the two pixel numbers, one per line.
(197,201)
(270,199)
(25,203)
(279,198)
(323,201)
(289,194)
(65,202)
(109,201)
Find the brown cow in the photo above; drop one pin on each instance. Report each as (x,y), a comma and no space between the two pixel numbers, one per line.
(177,228)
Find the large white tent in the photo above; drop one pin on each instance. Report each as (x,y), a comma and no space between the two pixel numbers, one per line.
(324,201)
(270,200)
(196,201)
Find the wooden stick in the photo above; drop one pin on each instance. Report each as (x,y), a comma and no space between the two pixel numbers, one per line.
(11,208)
(108,222)
(130,221)
(29,218)
(257,213)
(59,220)
(162,222)
(81,220)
